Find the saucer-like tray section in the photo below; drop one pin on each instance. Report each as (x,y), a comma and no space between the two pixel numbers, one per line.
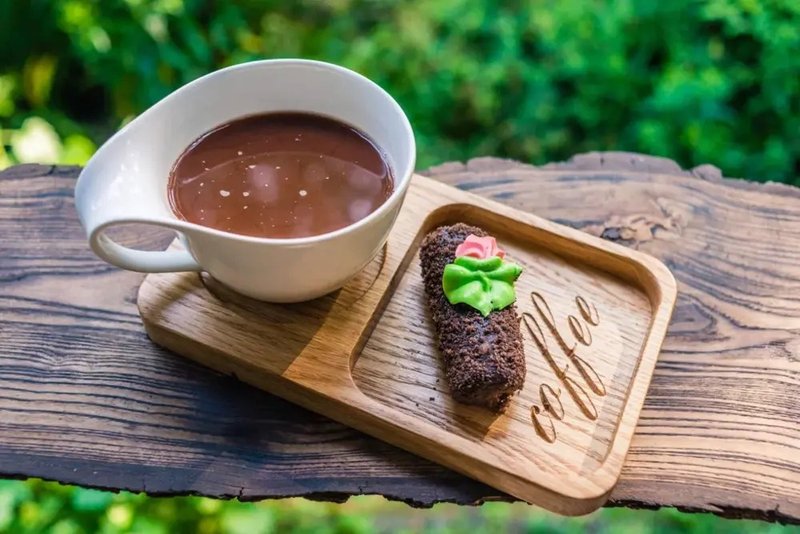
(594,315)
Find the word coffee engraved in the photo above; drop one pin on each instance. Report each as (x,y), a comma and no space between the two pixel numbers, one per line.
(551,408)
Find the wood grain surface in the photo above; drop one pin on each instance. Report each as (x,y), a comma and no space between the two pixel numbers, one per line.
(86,398)
(366,355)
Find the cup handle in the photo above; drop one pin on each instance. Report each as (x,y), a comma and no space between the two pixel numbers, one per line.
(143,261)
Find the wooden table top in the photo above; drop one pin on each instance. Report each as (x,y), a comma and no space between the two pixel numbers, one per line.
(86,398)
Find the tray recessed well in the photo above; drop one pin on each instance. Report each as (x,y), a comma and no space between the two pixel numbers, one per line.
(594,315)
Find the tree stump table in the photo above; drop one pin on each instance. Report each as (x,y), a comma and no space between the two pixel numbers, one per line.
(86,398)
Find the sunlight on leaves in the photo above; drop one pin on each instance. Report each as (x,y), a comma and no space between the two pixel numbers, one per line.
(76,150)
(120,516)
(36,142)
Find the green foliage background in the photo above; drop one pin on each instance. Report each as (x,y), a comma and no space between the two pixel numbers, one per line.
(700,81)
(38,507)
(713,81)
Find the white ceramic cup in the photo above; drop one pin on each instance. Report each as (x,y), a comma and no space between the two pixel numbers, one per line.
(126,180)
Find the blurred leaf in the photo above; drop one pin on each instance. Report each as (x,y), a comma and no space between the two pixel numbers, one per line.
(247,519)
(120,516)
(89,500)
(8,84)
(6,498)
(353,524)
(66,526)
(37,79)
(146,525)
(77,150)
(209,506)
(36,142)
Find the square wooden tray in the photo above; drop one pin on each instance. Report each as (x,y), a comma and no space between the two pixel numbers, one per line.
(594,316)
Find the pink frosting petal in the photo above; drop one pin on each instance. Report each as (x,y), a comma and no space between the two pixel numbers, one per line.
(479,247)
(470,249)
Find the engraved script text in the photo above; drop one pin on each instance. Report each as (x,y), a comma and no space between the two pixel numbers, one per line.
(551,408)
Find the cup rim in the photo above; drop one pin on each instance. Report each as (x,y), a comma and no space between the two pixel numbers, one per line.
(401,184)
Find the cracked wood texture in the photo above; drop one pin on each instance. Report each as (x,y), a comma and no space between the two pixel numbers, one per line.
(86,398)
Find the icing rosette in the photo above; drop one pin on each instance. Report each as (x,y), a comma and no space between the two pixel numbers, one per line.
(479,247)
(480,277)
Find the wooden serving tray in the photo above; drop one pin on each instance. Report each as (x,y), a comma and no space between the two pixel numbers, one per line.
(594,316)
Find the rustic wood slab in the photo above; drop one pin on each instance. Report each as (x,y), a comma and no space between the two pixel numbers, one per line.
(86,398)
(594,315)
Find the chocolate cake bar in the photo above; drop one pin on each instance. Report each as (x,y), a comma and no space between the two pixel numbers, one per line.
(482,354)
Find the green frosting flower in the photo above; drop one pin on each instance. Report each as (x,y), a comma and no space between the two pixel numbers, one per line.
(485,284)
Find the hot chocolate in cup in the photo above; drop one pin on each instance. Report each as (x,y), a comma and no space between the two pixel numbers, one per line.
(127,179)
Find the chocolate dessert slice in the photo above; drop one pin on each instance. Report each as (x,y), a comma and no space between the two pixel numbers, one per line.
(482,352)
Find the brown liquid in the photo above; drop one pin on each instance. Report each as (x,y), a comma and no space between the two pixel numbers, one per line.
(280,175)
